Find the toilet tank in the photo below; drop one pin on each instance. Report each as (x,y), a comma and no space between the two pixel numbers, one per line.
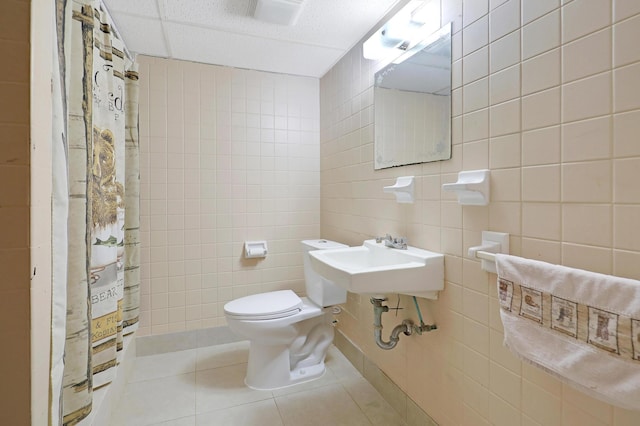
(321,291)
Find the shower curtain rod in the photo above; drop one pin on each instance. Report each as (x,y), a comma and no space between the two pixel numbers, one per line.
(112,23)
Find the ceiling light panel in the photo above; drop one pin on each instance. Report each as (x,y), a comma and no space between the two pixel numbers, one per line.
(281,12)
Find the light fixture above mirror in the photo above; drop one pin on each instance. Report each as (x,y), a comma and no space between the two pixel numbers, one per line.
(405,33)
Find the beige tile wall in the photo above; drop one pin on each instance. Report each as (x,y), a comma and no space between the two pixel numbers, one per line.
(546,94)
(227,155)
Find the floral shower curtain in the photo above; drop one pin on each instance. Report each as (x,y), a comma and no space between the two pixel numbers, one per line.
(95,207)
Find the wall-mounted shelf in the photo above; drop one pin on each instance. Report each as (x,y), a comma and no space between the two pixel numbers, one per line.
(403,189)
(472,187)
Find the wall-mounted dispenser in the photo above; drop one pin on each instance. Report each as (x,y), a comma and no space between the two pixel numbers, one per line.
(472,187)
(255,249)
(403,189)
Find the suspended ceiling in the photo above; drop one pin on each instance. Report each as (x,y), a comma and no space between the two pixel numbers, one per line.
(224,32)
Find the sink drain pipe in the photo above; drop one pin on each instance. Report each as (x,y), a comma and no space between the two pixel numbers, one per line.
(407,327)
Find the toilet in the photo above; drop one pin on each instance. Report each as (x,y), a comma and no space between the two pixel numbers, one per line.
(289,335)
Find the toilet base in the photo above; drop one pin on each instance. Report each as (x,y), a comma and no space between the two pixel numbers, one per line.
(269,368)
(306,374)
(286,351)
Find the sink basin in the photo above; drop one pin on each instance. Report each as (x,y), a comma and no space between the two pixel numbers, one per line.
(375,268)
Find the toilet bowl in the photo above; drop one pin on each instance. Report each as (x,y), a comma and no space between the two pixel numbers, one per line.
(289,336)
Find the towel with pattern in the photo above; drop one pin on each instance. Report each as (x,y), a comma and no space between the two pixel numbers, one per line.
(582,327)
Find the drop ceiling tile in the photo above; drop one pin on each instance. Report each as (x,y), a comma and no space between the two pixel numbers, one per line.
(141,35)
(225,32)
(243,51)
(329,23)
(206,11)
(146,8)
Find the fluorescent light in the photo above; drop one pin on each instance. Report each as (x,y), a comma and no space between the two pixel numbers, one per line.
(404,31)
(422,44)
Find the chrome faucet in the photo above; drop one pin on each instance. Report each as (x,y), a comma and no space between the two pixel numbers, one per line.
(397,243)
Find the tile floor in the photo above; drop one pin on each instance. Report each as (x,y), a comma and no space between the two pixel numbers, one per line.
(205,386)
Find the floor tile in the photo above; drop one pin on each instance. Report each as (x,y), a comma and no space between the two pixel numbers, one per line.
(223,388)
(377,410)
(163,365)
(261,413)
(153,401)
(205,387)
(340,366)
(328,405)
(222,355)
(183,421)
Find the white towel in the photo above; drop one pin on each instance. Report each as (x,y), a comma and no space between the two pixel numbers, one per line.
(582,327)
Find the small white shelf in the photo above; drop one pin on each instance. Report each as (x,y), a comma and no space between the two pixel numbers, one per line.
(403,189)
(472,187)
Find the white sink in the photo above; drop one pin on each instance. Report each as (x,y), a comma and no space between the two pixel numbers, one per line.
(375,268)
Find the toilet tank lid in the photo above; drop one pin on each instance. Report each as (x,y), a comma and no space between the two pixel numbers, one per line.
(323,244)
(274,302)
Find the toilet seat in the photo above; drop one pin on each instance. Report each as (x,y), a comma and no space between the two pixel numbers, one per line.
(264,306)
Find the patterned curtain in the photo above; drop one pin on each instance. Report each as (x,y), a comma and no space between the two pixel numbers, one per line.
(95,207)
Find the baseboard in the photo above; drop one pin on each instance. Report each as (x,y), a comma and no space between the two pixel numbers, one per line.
(408,410)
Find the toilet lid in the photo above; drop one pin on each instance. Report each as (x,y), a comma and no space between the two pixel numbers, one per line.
(271,305)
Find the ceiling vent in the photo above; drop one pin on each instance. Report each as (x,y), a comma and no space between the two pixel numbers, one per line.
(282,12)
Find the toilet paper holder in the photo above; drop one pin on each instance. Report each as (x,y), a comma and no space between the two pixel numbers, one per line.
(255,249)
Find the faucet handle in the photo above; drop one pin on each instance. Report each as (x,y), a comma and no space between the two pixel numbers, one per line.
(402,242)
(389,241)
(387,237)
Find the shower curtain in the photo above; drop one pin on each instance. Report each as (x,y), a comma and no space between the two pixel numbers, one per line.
(94,207)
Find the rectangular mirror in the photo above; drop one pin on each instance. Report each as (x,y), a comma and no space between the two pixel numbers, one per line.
(412,105)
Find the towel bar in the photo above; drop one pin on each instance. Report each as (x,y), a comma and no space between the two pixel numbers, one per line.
(485,255)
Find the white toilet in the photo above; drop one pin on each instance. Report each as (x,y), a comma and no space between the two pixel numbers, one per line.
(289,336)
